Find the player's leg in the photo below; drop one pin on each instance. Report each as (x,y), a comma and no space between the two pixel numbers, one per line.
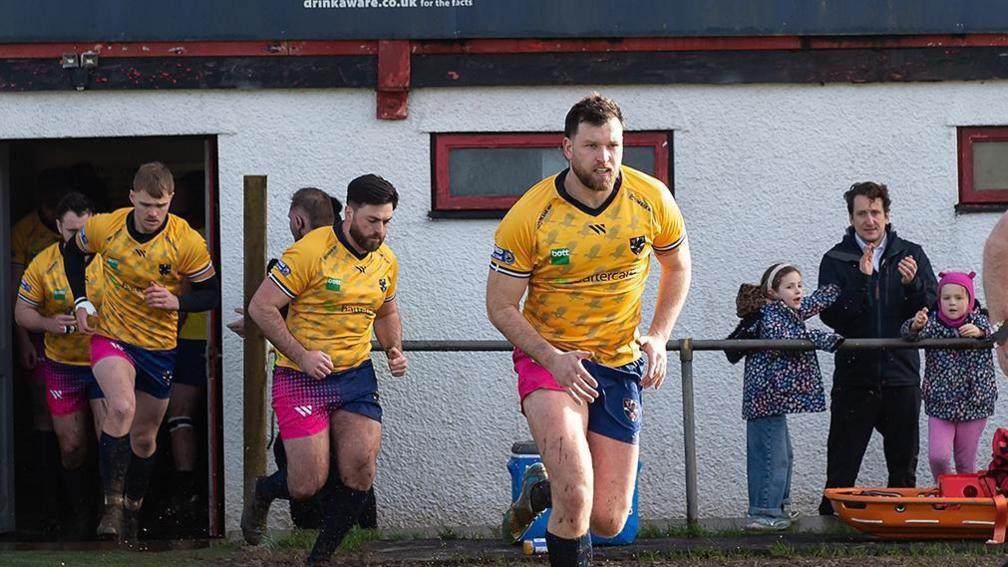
(150,410)
(299,403)
(355,431)
(116,377)
(559,427)
(356,439)
(182,406)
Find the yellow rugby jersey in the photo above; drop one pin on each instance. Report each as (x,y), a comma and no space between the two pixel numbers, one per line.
(129,267)
(587,268)
(29,237)
(194,328)
(335,294)
(45,287)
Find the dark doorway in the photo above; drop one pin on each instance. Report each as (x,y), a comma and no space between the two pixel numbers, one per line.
(103,168)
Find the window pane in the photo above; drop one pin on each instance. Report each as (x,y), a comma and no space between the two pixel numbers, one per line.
(640,158)
(502,172)
(990,165)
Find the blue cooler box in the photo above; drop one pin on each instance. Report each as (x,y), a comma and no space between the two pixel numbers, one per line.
(525,454)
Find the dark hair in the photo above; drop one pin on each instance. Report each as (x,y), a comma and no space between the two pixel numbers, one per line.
(155,179)
(594,109)
(316,204)
(787,269)
(868,189)
(79,203)
(337,208)
(371,189)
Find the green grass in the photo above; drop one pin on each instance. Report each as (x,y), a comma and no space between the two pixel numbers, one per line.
(650,531)
(304,539)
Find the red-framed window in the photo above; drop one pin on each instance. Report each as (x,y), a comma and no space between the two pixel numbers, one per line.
(983,166)
(483,174)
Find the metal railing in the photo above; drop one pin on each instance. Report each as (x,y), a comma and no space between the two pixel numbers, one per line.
(686,347)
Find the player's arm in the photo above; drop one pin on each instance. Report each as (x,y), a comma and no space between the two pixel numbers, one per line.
(75,260)
(502,296)
(20,333)
(201,296)
(673,284)
(28,317)
(264,308)
(388,331)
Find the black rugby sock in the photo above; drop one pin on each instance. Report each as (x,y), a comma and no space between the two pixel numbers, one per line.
(113,460)
(138,476)
(341,507)
(565,552)
(274,486)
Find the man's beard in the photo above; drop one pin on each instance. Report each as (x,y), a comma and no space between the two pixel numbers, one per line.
(592,181)
(369,244)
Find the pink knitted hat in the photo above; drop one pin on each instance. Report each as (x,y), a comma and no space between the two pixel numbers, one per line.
(963,279)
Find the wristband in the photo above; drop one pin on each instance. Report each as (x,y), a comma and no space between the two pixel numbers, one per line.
(86,305)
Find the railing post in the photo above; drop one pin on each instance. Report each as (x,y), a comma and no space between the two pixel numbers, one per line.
(689,428)
(254,390)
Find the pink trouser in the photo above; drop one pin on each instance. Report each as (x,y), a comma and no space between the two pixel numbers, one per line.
(958,438)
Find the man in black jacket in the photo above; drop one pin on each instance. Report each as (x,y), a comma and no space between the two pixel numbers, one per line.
(874,389)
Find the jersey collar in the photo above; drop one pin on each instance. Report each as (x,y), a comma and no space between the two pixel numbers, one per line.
(559,182)
(141,237)
(338,229)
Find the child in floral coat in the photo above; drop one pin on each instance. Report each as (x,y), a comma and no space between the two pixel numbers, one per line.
(778,382)
(958,388)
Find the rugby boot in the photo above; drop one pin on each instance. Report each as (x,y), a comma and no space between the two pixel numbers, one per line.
(110,526)
(522,512)
(253,520)
(130,534)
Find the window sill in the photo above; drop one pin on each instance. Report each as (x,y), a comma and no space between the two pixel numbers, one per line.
(969,208)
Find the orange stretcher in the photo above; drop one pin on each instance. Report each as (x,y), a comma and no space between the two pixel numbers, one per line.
(967,506)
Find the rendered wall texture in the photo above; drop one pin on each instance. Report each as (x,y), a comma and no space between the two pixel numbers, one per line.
(759,172)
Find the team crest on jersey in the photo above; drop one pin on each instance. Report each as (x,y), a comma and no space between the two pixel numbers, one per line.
(283,268)
(630,409)
(560,256)
(59,295)
(382,284)
(637,244)
(503,255)
(113,263)
(164,269)
(333,284)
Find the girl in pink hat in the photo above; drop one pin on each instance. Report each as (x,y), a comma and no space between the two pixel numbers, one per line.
(958,388)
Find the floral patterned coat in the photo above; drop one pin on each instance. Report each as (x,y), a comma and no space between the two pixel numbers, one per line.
(958,384)
(779,382)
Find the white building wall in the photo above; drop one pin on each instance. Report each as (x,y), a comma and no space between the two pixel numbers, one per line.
(759,172)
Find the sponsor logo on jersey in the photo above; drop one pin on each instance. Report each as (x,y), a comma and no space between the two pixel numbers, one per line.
(59,295)
(382,284)
(164,269)
(560,256)
(303,411)
(113,263)
(333,284)
(283,268)
(26,286)
(637,244)
(503,255)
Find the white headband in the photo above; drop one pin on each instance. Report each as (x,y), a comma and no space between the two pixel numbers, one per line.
(773,274)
